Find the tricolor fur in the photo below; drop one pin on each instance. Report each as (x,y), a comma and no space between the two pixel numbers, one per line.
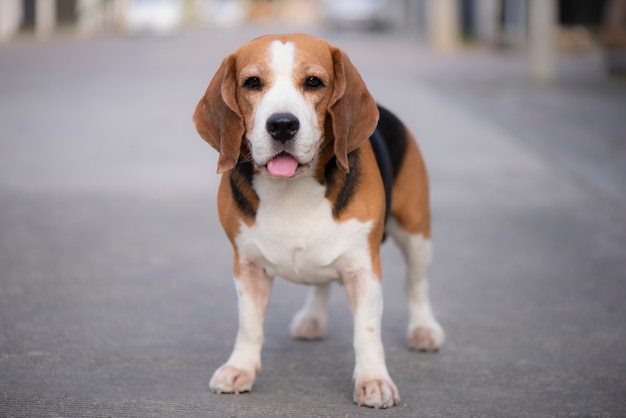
(313,174)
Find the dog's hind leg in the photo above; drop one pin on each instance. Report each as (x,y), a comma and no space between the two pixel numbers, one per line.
(309,323)
(424,332)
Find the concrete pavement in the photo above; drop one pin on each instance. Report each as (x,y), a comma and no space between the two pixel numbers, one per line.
(115,284)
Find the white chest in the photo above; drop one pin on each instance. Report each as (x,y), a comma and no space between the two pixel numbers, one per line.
(295,235)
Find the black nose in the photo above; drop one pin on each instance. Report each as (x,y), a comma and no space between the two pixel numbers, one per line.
(282,126)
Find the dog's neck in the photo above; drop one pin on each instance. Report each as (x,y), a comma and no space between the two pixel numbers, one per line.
(323,181)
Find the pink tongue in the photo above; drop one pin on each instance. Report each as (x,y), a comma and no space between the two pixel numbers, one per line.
(282,166)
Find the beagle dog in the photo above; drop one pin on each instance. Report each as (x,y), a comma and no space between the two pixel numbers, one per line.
(314,173)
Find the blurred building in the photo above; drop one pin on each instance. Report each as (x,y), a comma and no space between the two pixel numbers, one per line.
(500,22)
(44,18)
(535,25)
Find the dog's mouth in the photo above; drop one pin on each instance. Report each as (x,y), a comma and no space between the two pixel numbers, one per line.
(284,165)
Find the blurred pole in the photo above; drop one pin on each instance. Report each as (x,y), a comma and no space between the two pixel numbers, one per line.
(443,25)
(10,18)
(486,18)
(542,44)
(614,36)
(515,23)
(45,17)
(90,17)
(118,11)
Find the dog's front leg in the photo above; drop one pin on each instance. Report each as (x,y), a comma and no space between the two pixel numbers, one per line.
(253,289)
(372,384)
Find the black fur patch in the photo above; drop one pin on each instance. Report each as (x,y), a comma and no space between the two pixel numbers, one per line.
(394,136)
(351,182)
(241,177)
(385,166)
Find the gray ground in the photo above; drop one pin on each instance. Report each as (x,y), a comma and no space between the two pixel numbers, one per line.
(115,277)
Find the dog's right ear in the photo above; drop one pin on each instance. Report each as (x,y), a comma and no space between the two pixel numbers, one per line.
(217,116)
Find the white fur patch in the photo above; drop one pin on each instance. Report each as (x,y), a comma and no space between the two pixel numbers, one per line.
(296,237)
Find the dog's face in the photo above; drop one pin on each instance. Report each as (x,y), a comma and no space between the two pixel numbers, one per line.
(279,100)
(283,100)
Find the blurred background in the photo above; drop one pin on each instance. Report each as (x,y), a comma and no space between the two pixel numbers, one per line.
(116,294)
(536,26)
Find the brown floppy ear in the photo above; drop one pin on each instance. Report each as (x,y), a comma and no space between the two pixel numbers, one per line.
(353,110)
(217,116)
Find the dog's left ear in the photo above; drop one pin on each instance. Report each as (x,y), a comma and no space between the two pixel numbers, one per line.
(217,116)
(353,110)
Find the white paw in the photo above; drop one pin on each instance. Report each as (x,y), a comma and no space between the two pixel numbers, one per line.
(426,338)
(307,328)
(376,393)
(231,379)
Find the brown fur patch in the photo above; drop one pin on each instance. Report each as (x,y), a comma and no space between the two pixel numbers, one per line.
(229,212)
(368,203)
(410,203)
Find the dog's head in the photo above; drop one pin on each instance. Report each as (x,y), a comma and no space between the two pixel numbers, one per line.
(279,100)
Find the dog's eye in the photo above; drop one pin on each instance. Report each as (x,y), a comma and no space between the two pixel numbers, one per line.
(313,83)
(253,83)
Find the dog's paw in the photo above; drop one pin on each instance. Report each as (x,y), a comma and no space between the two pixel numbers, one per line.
(307,328)
(231,379)
(426,338)
(376,393)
